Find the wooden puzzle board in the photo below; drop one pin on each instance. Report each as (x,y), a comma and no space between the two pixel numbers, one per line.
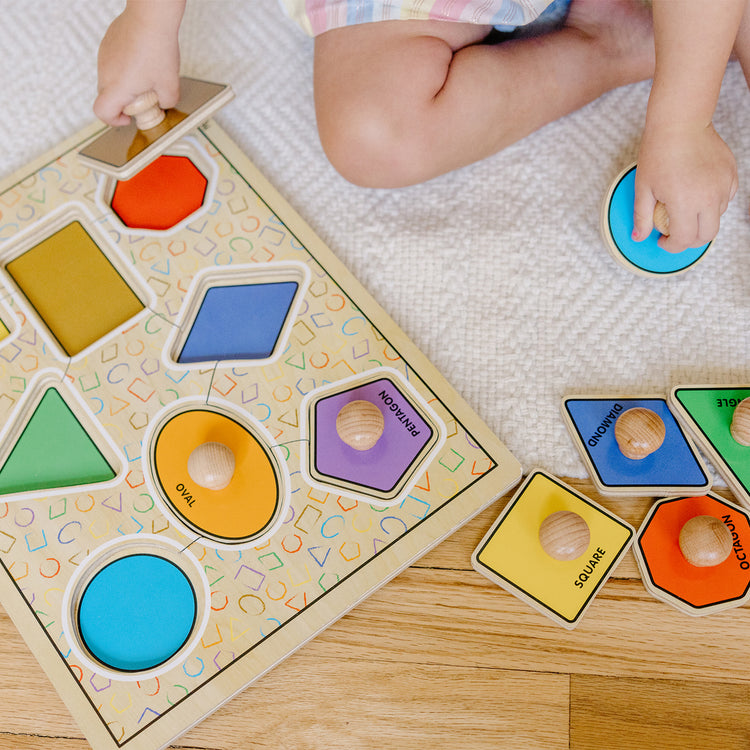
(329,550)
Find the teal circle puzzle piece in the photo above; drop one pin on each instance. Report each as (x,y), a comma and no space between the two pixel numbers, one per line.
(646,256)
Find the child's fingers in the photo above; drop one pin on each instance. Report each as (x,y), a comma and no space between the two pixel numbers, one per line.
(690,230)
(643,213)
(168,93)
(108,108)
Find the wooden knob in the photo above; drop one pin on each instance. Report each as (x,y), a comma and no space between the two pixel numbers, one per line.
(740,427)
(360,424)
(211,465)
(639,432)
(146,110)
(705,541)
(661,218)
(564,535)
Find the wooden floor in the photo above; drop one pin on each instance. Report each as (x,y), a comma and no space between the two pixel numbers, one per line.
(442,658)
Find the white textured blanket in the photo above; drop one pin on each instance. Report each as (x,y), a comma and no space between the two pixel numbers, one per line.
(497,272)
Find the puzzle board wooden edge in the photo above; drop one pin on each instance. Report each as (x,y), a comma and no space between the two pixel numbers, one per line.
(143,726)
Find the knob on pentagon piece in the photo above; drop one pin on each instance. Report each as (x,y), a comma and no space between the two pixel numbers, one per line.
(639,432)
(705,541)
(360,424)
(740,427)
(146,110)
(211,465)
(564,535)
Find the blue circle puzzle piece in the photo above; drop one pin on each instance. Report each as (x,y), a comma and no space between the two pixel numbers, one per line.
(137,612)
(646,255)
(672,465)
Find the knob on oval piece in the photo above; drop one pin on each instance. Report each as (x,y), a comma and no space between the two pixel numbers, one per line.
(740,427)
(360,424)
(705,541)
(639,432)
(564,535)
(211,465)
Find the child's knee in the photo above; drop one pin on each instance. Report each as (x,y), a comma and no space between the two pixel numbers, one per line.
(366,146)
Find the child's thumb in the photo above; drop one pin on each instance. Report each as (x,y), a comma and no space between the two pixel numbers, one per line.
(643,215)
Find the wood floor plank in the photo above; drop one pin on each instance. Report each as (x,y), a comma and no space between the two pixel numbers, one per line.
(616,713)
(443,656)
(463,619)
(355,703)
(38,742)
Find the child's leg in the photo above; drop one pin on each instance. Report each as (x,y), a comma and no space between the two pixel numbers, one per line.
(400,102)
(742,43)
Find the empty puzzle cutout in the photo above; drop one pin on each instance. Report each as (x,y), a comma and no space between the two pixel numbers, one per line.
(114,604)
(50,449)
(82,300)
(161,195)
(242,316)
(167,195)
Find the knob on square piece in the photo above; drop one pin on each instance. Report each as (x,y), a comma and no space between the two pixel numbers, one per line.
(691,552)
(564,535)
(553,547)
(123,151)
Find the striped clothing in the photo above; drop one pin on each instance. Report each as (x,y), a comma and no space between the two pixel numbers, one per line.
(317,16)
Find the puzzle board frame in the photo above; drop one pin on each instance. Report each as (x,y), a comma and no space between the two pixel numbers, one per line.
(266,601)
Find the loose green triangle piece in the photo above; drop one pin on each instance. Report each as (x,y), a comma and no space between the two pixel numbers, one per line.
(711,410)
(53,451)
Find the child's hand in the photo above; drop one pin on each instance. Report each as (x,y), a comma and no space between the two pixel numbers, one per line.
(693,173)
(139,53)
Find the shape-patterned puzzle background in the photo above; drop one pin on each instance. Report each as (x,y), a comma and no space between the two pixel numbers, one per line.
(117,384)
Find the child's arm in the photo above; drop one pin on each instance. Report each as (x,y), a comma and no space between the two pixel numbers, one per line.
(139,52)
(683,162)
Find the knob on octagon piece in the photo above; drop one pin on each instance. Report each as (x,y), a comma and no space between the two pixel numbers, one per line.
(564,535)
(639,432)
(211,465)
(360,424)
(705,541)
(146,111)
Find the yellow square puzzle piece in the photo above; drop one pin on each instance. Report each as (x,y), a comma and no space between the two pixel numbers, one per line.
(544,573)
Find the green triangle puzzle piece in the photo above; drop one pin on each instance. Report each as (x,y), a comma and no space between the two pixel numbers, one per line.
(711,410)
(53,451)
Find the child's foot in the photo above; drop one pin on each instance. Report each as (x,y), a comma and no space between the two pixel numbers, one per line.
(623,29)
